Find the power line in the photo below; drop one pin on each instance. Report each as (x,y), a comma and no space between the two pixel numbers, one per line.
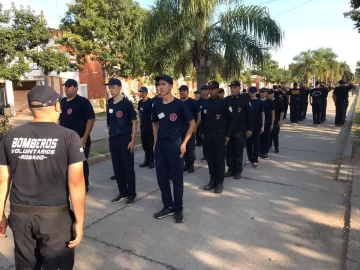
(294,8)
(266,2)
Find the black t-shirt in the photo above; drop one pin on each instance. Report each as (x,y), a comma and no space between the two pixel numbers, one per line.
(294,95)
(257,108)
(38,155)
(304,93)
(279,108)
(342,92)
(119,117)
(193,107)
(317,95)
(144,108)
(75,114)
(268,108)
(172,117)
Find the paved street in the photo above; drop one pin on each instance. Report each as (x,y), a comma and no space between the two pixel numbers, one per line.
(286,214)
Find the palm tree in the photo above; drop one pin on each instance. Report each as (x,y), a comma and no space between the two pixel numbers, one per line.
(357,71)
(196,39)
(304,66)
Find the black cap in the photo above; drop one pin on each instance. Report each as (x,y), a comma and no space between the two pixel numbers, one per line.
(275,86)
(341,82)
(184,87)
(317,82)
(270,91)
(213,85)
(197,92)
(114,81)
(44,94)
(252,89)
(296,84)
(204,87)
(235,83)
(71,82)
(143,89)
(165,78)
(263,89)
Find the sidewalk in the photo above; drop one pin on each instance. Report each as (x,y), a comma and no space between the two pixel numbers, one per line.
(286,214)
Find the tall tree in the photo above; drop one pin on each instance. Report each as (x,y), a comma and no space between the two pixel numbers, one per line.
(357,71)
(354,14)
(239,35)
(304,66)
(345,72)
(23,41)
(103,30)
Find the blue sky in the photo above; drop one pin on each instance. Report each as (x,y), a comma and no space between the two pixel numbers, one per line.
(318,23)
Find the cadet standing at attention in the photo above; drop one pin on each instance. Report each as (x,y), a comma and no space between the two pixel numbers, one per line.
(201,101)
(279,115)
(189,157)
(41,165)
(269,111)
(147,136)
(122,125)
(341,99)
(217,125)
(170,119)
(78,114)
(316,101)
(243,127)
(294,101)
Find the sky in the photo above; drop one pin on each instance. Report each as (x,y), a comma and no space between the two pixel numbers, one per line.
(307,24)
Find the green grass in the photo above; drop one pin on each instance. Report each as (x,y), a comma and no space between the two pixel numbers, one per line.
(100,114)
(101,146)
(356,129)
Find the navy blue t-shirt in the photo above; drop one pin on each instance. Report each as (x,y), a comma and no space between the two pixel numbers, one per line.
(193,107)
(317,95)
(268,108)
(258,108)
(75,114)
(119,117)
(144,108)
(172,118)
(155,99)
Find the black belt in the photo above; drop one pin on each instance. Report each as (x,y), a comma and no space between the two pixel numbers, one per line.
(39,210)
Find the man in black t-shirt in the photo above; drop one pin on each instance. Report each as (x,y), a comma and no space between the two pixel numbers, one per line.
(147,136)
(78,114)
(341,99)
(41,164)
(122,125)
(189,157)
(279,115)
(316,101)
(294,101)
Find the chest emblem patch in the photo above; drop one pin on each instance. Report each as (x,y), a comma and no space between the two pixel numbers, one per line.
(217,116)
(69,111)
(239,110)
(119,114)
(173,117)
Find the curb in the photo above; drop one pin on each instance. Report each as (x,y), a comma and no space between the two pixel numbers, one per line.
(104,157)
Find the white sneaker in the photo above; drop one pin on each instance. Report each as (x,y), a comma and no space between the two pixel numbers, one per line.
(255,165)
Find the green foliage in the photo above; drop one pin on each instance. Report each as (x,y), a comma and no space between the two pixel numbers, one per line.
(354,14)
(357,71)
(23,37)
(5,126)
(105,30)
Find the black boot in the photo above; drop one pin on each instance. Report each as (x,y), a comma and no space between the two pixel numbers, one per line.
(186,166)
(151,164)
(191,167)
(210,186)
(229,173)
(276,149)
(219,188)
(145,163)
(237,175)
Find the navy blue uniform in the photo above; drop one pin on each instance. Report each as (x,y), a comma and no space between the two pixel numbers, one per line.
(252,143)
(243,116)
(341,103)
(173,119)
(199,139)
(279,108)
(317,104)
(119,121)
(147,136)
(265,137)
(74,115)
(325,93)
(304,102)
(294,105)
(218,123)
(189,156)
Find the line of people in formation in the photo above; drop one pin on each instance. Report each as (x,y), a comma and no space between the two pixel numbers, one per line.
(171,128)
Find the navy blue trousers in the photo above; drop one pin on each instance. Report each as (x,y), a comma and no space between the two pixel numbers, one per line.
(123,164)
(168,162)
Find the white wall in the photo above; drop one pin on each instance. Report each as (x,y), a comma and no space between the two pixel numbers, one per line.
(10,96)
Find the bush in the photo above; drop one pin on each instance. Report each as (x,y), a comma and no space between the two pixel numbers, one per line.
(4,126)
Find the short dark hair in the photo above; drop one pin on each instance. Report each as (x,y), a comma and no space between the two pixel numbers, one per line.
(221,91)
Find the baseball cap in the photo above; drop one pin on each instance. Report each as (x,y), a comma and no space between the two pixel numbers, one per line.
(204,87)
(114,81)
(197,92)
(252,89)
(143,89)
(235,83)
(275,86)
(213,85)
(262,90)
(270,91)
(184,87)
(341,82)
(71,82)
(296,84)
(165,78)
(44,94)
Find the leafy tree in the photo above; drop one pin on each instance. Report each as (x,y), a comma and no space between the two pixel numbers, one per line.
(23,40)
(194,40)
(346,72)
(268,69)
(357,71)
(354,14)
(303,66)
(103,30)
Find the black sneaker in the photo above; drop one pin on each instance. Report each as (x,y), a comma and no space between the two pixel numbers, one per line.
(145,163)
(237,175)
(229,173)
(276,150)
(191,168)
(164,213)
(130,200)
(179,217)
(266,157)
(219,188)
(113,177)
(119,198)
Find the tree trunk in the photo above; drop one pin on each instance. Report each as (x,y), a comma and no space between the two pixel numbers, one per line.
(47,80)
(200,72)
